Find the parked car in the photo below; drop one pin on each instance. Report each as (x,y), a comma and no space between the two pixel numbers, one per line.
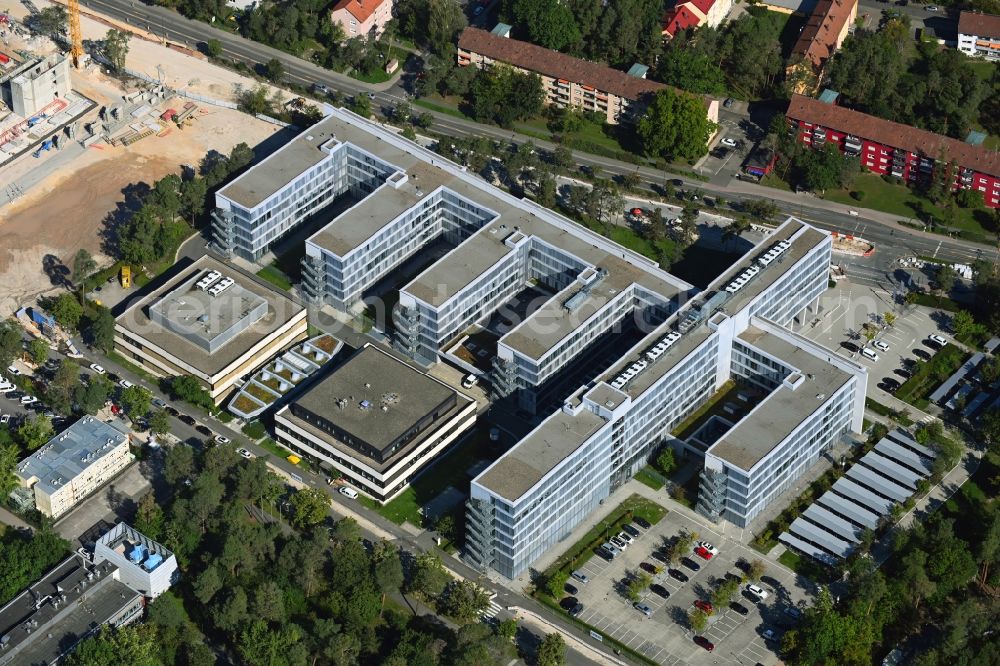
(728,142)
(703,553)
(348,492)
(931,8)
(28,400)
(880,345)
(580,576)
(625,537)
(567,603)
(159,404)
(186,419)
(219,439)
(469,381)
(98,369)
(739,608)
(769,634)
(611,548)
(568,588)
(576,610)
(125,384)
(657,555)
(758,592)
(793,612)
(631,530)
(604,553)
(204,430)
(703,605)
(708,546)
(937,340)
(619,543)
(677,574)
(643,608)
(12,370)
(4,418)
(642,522)
(690,564)
(659,590)
(648,568)
(246,454)
(704,642)
(173,412)
(728,103)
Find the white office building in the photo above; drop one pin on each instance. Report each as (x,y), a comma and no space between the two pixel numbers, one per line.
(144,565)
(533,497)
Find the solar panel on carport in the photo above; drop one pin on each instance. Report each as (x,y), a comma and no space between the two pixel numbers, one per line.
(893,470)
(904,456)
(903,438)
(873,481)
(858,513)
(862,496)
(832,523)
(806,530)
(807,548)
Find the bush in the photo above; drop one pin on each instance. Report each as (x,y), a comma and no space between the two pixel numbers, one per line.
(254,430)
(857,195)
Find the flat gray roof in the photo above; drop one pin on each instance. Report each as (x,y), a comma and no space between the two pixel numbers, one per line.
(281,308)
(864,497)
(282,167)
(858,513)
(70,453)
(785,408)
(374,378)
(539,453)
(60,628)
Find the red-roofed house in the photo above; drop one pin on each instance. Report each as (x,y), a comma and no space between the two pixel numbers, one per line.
(885,147)
(693,13)
(359,18)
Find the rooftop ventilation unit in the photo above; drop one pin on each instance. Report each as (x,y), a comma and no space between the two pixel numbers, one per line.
(776,251)
(224,283)
(661,347)
(207,281)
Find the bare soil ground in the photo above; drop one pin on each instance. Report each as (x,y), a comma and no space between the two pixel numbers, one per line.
(68,194)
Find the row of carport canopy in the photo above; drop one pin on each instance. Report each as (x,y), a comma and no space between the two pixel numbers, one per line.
(833,525)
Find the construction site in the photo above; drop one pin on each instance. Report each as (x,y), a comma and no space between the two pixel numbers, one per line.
(74,141)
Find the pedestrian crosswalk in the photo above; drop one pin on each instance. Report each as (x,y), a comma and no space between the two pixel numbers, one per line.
(491,611)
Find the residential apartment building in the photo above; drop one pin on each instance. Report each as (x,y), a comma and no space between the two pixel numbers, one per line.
(74,464)
(567,81)
(533,496)
(979,35)
(886,147)
(362,18)
(377,421)
(819,39)
(82,594)
(693,13)
(212,321)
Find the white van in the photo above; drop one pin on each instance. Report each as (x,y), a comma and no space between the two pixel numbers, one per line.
(348,492)
(869,353)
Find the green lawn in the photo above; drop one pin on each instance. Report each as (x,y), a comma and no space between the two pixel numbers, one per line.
(627,237)
(275,277)
(577,554)
(930,374)
(648,479)
(440,108)
(447,471)
(909,205)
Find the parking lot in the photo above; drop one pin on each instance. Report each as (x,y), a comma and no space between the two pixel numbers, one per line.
(844,312)
(664,636)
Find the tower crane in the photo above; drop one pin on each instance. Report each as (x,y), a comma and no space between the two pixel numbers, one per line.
(75,34)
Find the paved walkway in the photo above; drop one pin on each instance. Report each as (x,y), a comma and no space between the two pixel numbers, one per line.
(8,518)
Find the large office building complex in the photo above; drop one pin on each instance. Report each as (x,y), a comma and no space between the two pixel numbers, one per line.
(376,420)
(383,201)
(532,497)
(212,321)
(73,464)
(82,594)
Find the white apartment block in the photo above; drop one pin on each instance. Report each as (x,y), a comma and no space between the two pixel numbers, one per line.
(74,464)
(979,35)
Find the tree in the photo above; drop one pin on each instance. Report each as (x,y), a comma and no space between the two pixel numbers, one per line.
(35,431)
(214,48)
(556,583)
(945,278)
(135,400)
(38,349)
(10,455)
(637,583)
(91,395)
(756,570)
(60,391)
(10,342)
(552,651)
(820,169)
(387,569)
(99,329)
(429,577)
(963,324)
(463,600)
(67,311)
(889,318)
(116,48)
(675,126)
(192,196)
(255,101)
(149,517)
(549,23)
(274,70)
(179,464)
(665,460)
(190,390)
(51,21)
(83,266)
(502,95)
(134,644)
(159,422)
(309,506)
(698,620)
(361,105)
(690,70)
(445,19)
(761,209)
